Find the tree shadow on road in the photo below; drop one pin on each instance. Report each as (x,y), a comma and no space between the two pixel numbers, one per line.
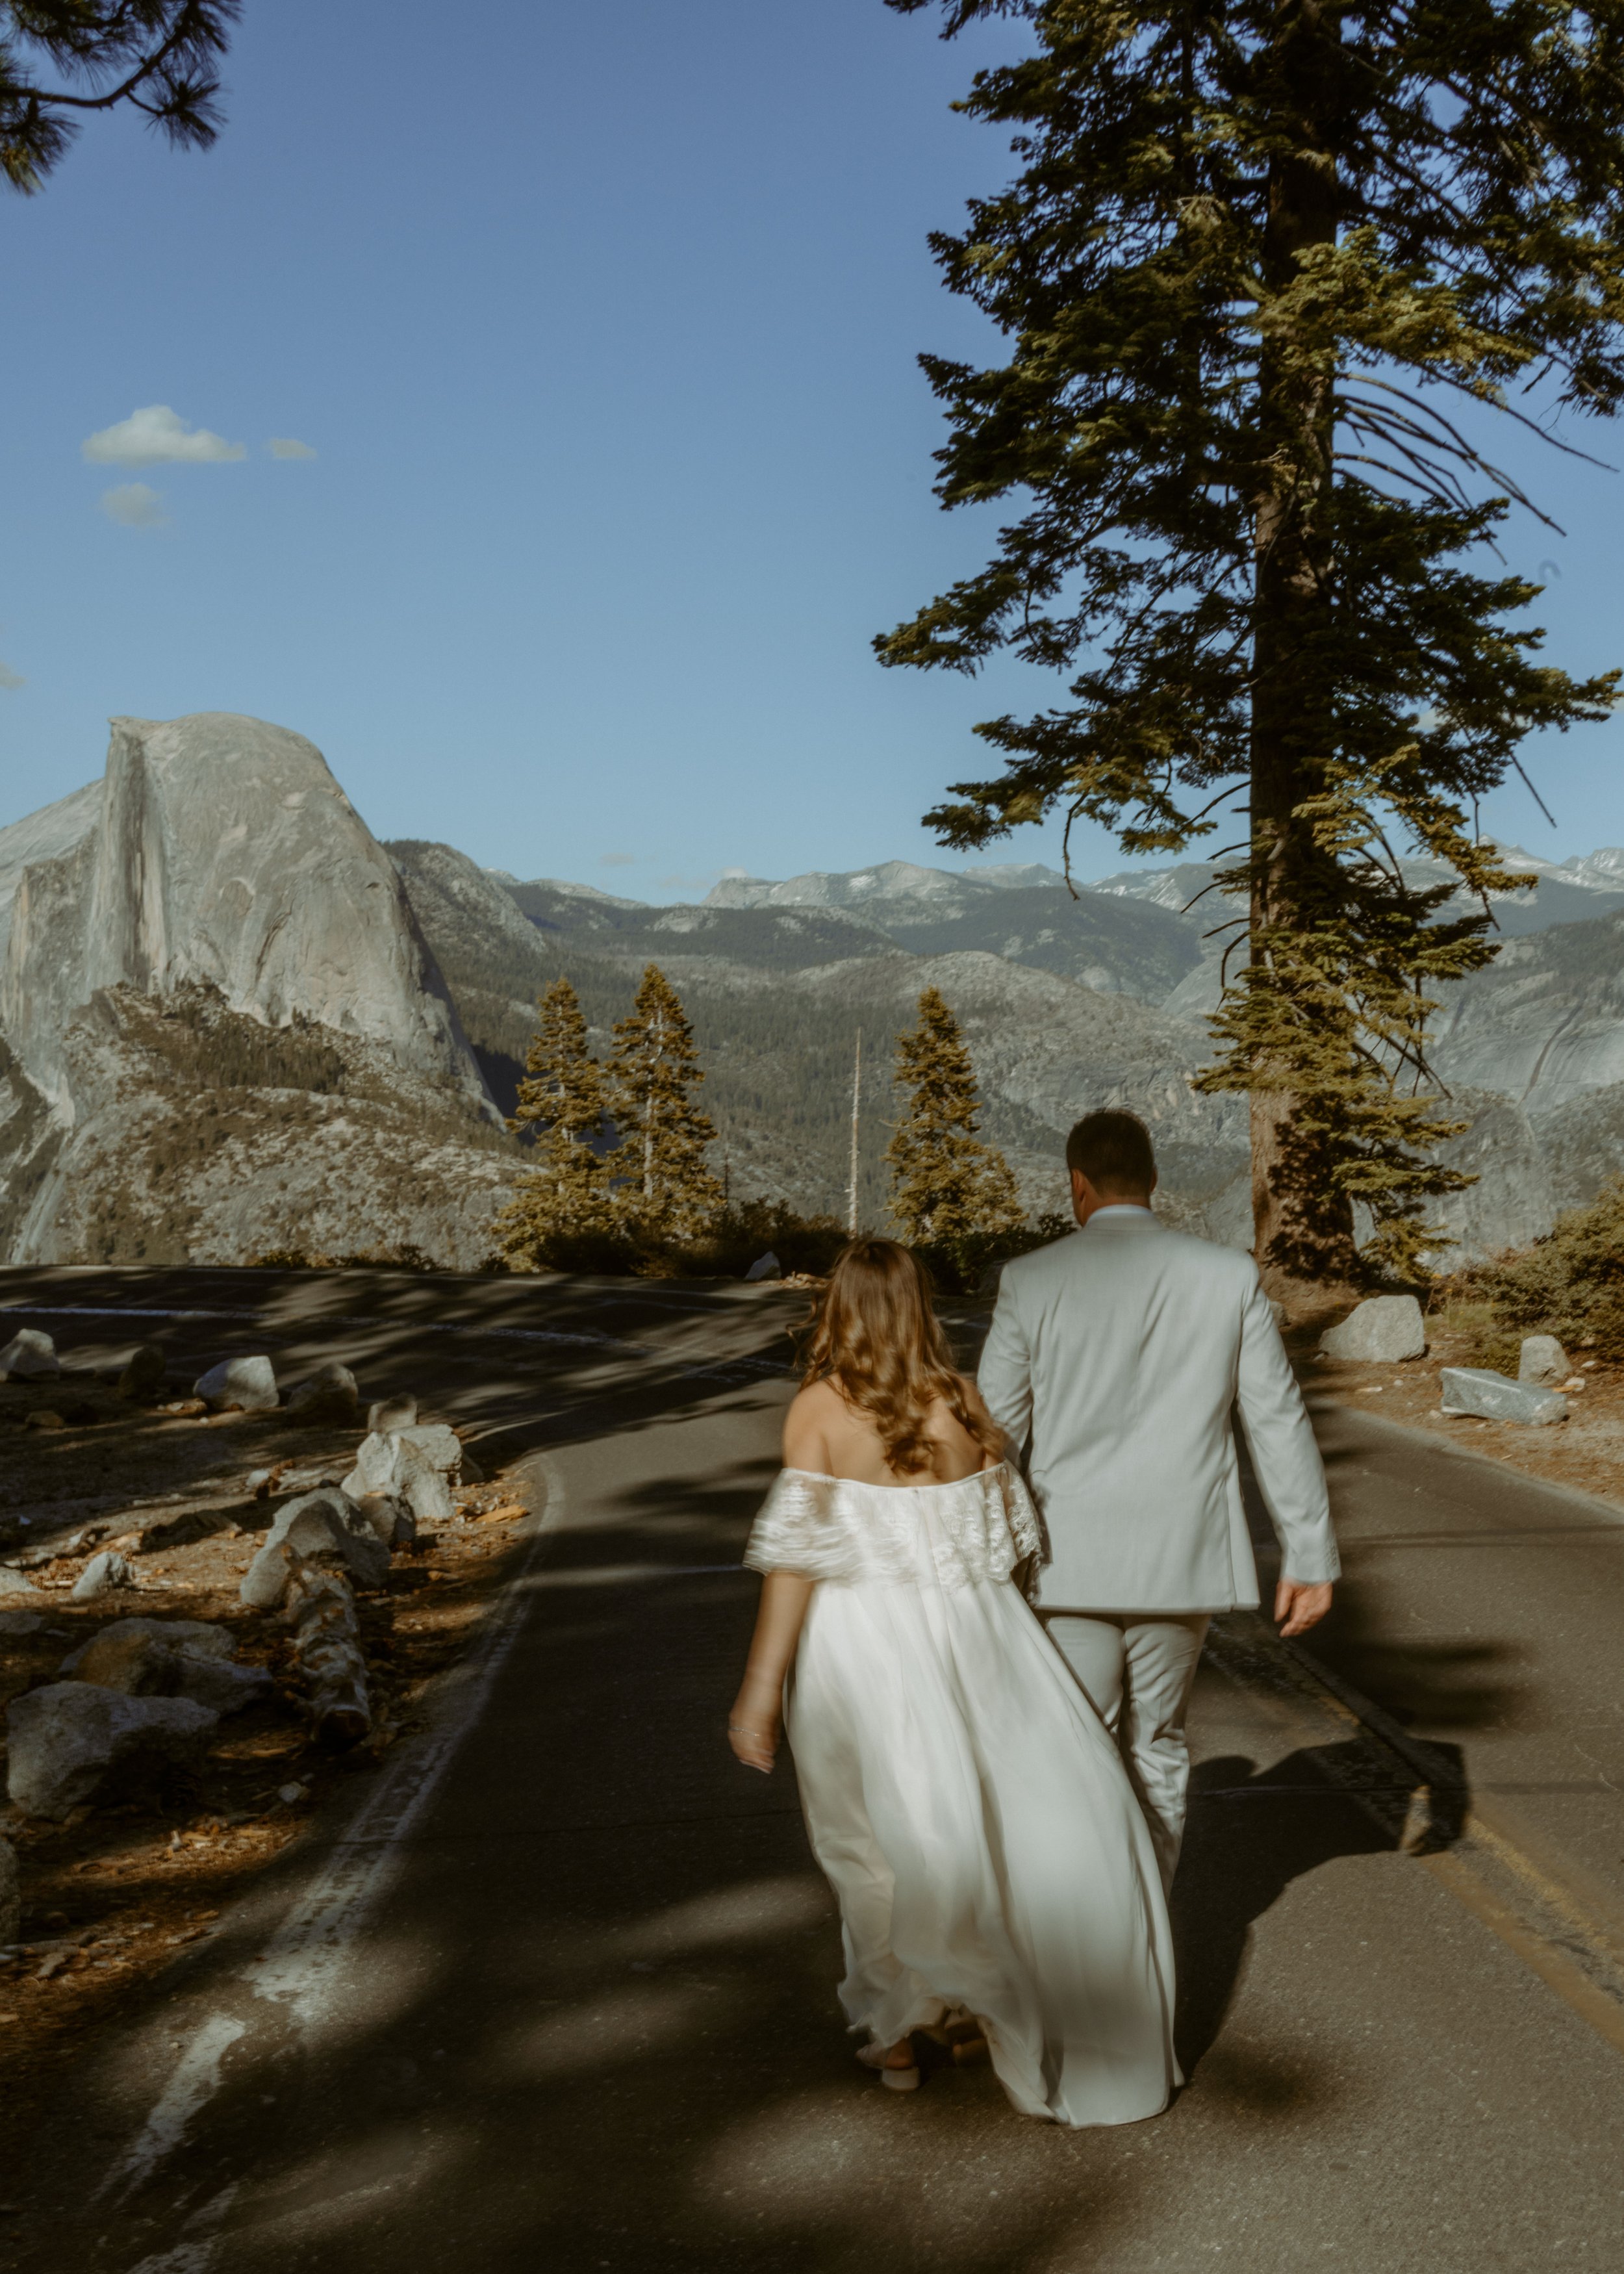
(598,2030)
(1250,1834)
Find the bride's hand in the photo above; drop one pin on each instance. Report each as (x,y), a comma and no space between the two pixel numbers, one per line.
(754,1728)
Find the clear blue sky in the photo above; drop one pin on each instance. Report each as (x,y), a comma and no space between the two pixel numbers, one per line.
(601,325)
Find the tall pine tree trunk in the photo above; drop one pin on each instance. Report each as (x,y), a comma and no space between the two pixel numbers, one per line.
(1304,1229)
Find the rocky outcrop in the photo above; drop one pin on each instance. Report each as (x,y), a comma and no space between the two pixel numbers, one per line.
(218,850)
(1544,1023)
(222,1032)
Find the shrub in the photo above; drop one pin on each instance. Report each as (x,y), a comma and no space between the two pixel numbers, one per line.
(723,1248)
(1570,1283)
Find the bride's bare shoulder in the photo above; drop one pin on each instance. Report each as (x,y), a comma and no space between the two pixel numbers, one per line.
(807,1425)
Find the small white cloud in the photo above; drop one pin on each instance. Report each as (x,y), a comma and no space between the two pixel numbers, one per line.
(283,446)
(133,506)
(10,679)
(728,874)
(617,861)
(156,437)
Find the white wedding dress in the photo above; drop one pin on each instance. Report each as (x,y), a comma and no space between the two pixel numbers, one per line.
(968,1805)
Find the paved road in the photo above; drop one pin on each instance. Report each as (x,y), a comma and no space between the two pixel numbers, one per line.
(561,1995)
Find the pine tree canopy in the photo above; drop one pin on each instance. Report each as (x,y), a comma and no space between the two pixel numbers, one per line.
(564,1091)
(665,1184)
(1268,274)
(566,1194)
(946,1185)
(156,56)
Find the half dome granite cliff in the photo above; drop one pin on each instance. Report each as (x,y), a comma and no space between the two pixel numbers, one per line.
(224,1030)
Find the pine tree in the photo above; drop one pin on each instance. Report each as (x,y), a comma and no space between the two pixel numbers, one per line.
(946,1186)
(160,57)
(664,1185)
(1253,251)
(567,1194)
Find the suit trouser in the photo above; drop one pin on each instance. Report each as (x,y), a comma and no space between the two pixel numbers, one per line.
(1136,1671)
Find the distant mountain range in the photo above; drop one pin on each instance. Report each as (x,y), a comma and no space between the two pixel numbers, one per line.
(230,1019)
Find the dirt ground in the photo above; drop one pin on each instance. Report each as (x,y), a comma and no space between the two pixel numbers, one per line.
(113,1894)
(1585,1452)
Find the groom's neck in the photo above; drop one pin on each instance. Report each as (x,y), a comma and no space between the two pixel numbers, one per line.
(1088,1199)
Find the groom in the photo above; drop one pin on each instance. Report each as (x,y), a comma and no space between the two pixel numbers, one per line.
(1122,1354)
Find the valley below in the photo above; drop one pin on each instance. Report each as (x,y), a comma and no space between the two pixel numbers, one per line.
(233,1023)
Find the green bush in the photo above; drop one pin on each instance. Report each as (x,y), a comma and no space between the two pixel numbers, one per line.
(725,1249)
(1570,1284)
(1481,1335)
(733,1239)
(963,1266)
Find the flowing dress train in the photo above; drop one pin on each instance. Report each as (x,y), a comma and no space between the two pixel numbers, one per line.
(968,1805)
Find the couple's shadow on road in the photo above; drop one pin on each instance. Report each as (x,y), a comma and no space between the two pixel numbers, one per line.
(1250,1833)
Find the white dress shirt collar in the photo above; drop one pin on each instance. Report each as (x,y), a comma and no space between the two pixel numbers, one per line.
(1127,1216)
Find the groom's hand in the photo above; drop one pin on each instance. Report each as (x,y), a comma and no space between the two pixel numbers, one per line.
(1299,1608)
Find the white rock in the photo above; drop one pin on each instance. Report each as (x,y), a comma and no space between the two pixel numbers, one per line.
(765,1267)
(13,1584)
(73,1741)
(1496,1398)
(438,1445)
(329,1394)
(319,1523)
(377,1466)
(11,1893)
(1543,1361)
(417,1465)
(392,1520)
(30,1356)
(100,1575)
(425,1489)
(392,1414)
(1378,1332)
(248,1382)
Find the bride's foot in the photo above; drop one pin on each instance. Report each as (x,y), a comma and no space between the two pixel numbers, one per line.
(965,2040)
(899,2069)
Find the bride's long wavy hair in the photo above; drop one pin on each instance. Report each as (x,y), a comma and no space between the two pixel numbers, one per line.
(877,1337)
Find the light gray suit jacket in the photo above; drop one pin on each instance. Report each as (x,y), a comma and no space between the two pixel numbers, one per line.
(1123,1351)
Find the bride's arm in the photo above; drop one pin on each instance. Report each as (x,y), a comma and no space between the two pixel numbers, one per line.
(754,1723)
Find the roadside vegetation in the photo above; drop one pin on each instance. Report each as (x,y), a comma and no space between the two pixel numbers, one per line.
(1569,1285)
(623,1179)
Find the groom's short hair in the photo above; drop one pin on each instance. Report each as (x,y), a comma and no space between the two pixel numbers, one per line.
(1113,1151)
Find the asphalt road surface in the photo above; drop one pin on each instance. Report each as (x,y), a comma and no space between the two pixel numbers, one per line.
(556,1992)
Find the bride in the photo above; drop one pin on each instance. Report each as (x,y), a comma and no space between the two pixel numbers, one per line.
(971,1812)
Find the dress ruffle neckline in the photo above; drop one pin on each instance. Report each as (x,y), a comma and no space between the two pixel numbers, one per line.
(970,1531)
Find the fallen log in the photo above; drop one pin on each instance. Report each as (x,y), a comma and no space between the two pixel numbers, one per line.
(320,1608)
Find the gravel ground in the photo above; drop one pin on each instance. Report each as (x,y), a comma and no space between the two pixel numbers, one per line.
(112,1895)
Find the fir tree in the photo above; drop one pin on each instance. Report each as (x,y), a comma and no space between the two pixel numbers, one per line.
(158,57)
(1251,253)
(567,1194)
(946,1186)
(664,1185)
